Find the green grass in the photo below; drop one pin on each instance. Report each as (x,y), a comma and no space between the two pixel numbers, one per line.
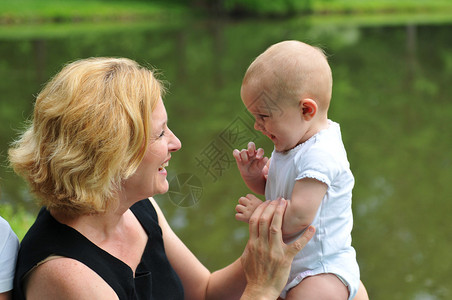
(60,11)
(381,6)
(281,8)
(40,11)
(52,30)
(369,19)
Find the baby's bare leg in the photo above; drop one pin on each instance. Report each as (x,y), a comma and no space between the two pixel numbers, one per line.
(319,287)
(362,293)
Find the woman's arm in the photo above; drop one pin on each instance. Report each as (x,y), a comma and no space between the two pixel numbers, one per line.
(66,279)
(6,296)
(198,282)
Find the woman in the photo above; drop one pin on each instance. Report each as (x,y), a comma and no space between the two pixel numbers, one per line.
(97,146)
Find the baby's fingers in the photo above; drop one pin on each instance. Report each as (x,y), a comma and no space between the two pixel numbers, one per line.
(240,208)
(244,201)
(241,156)
(261,165)
(251,149)
(241,213)
(259,153)
(241,217)
(236,154)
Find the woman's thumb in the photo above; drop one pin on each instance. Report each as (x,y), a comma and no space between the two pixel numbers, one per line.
(301,242)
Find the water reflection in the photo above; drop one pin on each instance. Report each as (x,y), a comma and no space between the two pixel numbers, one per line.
(391,97)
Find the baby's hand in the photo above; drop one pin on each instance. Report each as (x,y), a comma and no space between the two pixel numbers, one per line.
(251,162)
(246,207)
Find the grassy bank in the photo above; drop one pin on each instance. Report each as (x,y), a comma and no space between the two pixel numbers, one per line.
(60,11)
(277,8)
(381,6)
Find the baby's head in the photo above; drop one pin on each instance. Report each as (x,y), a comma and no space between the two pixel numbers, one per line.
(290,71)
(288,90)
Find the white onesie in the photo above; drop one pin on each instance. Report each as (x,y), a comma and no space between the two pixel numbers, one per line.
(322,157)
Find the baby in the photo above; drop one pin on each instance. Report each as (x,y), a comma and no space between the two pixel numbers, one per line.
(288,90)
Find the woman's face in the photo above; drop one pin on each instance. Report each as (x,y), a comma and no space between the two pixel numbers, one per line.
(150,177)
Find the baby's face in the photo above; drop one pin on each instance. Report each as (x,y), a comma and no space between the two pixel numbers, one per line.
(282,122)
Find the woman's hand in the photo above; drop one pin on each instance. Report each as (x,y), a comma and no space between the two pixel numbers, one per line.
(266,260)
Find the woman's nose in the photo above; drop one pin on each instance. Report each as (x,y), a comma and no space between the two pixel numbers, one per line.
(174,143)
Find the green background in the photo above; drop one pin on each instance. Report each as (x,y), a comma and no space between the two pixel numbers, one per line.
(392,73)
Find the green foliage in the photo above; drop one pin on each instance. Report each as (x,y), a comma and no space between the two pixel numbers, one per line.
(268,8)
(19,219)
(60,11)
(292,7)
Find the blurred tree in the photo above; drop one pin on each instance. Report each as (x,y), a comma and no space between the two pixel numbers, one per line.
(241,8)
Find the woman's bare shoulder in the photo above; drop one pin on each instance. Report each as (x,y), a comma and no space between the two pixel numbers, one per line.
(66,278)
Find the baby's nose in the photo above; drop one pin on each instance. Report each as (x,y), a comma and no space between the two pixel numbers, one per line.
(257,125)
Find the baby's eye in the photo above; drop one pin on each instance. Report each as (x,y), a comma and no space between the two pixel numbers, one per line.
(262,117)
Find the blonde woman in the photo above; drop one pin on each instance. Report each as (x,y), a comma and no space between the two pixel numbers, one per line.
(95,154)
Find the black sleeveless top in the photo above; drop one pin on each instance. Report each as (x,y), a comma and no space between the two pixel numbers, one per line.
(154,276)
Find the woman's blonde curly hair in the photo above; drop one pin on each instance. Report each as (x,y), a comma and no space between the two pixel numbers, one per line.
(90,128)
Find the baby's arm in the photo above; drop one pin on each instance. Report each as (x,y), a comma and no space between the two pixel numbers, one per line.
(247,205)
(302,208)
(253,167)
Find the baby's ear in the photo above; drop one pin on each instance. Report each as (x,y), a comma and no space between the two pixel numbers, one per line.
(308,108)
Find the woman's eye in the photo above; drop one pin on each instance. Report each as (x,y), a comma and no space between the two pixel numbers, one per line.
(162,134)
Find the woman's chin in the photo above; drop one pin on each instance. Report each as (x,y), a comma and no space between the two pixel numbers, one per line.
(163,189)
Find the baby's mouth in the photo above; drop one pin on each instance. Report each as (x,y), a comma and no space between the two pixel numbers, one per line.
(270,136)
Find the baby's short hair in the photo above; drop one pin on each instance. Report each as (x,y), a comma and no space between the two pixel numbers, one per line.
(295,69)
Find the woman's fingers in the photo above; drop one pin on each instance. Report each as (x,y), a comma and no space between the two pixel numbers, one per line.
(266,219)
(254,222)
(267,259)
(267,226)
(276,224)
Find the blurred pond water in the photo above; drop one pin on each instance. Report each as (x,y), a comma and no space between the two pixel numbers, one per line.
(391,96)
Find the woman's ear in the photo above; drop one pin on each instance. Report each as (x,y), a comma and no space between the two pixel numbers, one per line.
(308,108)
